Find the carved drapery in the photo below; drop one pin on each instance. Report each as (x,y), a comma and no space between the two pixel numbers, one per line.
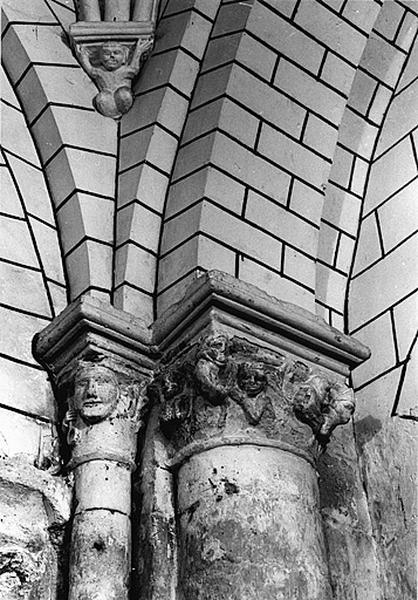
(111,40)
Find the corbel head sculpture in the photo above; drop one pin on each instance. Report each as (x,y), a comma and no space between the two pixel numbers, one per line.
(113,55)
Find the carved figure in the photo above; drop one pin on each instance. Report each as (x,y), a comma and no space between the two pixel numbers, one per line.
(113,76)
(211,369)
(96,393)
(250,392)
(323,405)
(176,400)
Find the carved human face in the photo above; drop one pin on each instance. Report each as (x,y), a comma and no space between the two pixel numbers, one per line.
(217,349)
(251,379)
(112,56)
(96,393)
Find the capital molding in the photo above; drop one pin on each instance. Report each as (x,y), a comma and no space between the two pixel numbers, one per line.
(217,302)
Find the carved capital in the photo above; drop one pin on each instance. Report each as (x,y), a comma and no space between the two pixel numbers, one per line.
(227,390)
(99,359)
(106,408)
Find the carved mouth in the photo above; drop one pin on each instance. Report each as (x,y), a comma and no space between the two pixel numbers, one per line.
(91,403)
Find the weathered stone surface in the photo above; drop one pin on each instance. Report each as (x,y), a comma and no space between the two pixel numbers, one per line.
(249,526)
(35,509)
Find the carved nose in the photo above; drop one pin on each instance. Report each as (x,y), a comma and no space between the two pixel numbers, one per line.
(92,388)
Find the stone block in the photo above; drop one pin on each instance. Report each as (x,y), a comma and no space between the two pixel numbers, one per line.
(21,435)
(231,18)
(309,92)
(28,43)
(31,294)
(401,118)
(279,34)
(342,209)
(342,167)
(221,51)
(85,215)
(221,151)
(382,60)
(362,14)
(331,287)
(176,265)
(411,69)
(11,204)
(390,281)
(164,106)
(15,135)
(18,330)
(274,284)
(281,223)
(54,84)
(22,253)
(184,73)
(389,19)
(320,136)
(175,293)
(357,135)
(58,296)
(137,266)
(88,172)
(307,202)
(188,30)
(369,249)
(27,389)
(225,115)
(210,183)
(135,302)
(268,103)
(407,404)
(345,253)
(55,128)
(331,30)
(286,7)
(256,57)
(401,210)
(46,239)
(406,323)
(407,31)
(210,86)
(35,12)
(240,235)
(379,337)
(293,157)
(299,267)
(328,237)
(144,183)
(134,222)
(7,92)
(32,186)
(380,103)
(209,9)
(181,227)
(152,144)
(359,176)
(392,171)
(89,265)
(362,92)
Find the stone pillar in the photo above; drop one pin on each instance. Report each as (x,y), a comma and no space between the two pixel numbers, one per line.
(247,404)
(117,10)
(89,10)
(98,357)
